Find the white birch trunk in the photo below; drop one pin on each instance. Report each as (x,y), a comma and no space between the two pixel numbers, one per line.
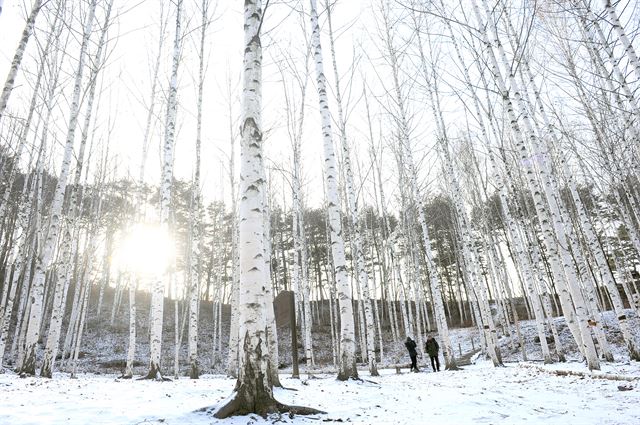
(269,315)
(254,390)
(176,329)
(361,272)
(157,298)
(131,350)
(347,358)
(232,361)
(194,269)
(300,278)
(150,112)
(550,218)
(309,353)
(17,58)
(626,43)
(78,339)
(44,258)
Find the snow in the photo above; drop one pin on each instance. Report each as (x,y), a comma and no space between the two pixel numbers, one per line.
(520,393)
(478,394)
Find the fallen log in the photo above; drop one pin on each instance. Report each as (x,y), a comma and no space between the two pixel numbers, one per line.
(592,374)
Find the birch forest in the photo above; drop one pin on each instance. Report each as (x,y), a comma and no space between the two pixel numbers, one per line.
(262,190)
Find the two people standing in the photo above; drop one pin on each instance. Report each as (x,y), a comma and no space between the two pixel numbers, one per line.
(431,347)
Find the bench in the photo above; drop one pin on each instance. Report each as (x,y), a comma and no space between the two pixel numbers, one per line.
(399,366)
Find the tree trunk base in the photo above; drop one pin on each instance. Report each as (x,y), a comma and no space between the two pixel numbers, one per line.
(349,374)
(154,375)
(264,405)
(194,373)
(45,372)
(451,364)
(29,364)
(373,370)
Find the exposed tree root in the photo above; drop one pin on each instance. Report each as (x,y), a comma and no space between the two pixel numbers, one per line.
(264,405)
(368,381)
(155,376)
(349,374)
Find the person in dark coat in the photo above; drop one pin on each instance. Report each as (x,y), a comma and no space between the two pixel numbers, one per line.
(411,347)
(432,348)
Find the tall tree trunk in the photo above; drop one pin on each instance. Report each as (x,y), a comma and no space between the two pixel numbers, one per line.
(67,254)
(626,43)
(157,298)
(131,350)
(254,389)
(194,270)
(352,203)
(46,252)
(17,58)
(549,217)
(347,359)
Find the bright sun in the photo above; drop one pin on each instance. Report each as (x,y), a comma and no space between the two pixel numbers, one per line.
(145,250)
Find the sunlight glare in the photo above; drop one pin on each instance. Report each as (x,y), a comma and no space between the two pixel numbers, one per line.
(145,250)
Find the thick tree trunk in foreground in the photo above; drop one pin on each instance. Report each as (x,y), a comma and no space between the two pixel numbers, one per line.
(254,388)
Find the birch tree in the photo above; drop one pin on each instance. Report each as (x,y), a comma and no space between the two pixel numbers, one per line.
(254,390)
(347,359)
(69,247)
(195,241)
(28,363)
(157,300)
(17,58)
(352,203)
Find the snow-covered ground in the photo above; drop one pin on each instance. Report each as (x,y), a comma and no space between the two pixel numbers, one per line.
(479,394)
(521,393)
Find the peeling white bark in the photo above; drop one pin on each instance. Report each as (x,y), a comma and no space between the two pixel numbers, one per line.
(347,358)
